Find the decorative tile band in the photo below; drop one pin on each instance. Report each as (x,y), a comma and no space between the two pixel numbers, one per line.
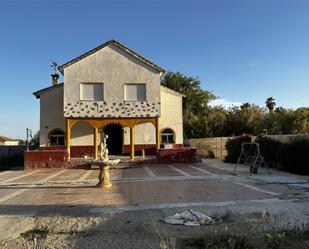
(98,109)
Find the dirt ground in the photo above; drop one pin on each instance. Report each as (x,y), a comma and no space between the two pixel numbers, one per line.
(137,229)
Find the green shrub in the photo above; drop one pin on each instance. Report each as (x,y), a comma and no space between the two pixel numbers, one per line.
(269,149)
(233,147)
(294,156)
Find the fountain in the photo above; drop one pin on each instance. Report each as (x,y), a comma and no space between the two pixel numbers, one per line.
(104,164)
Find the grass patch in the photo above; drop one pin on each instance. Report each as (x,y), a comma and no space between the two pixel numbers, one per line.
(35,233)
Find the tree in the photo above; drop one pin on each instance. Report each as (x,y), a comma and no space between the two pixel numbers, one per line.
(270,104)
(34,142)
(243,119)
(195,103)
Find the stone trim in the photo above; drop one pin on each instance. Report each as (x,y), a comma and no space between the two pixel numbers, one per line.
(102,109)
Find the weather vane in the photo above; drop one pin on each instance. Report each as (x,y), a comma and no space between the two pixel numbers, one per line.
(54,65)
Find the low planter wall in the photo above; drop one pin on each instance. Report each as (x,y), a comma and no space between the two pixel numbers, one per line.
(77,151)
(181,155)
(150,149)
(37,159)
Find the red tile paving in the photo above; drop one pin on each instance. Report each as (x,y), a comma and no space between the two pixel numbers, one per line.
(70,174)
(164,170)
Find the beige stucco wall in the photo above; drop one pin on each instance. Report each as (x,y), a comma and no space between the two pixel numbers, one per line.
(51,106)
(51,117)
(113,67)
(171,117)
(82,134)
(51,113)
(171,113)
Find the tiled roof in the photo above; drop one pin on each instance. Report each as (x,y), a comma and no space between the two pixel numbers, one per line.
(3,139)
(46,89)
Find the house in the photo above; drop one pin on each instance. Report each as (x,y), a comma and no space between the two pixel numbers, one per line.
(8,141)
(109,90)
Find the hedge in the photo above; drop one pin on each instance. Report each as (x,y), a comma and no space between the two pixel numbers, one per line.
(269,149)
(294,156)
(233,147)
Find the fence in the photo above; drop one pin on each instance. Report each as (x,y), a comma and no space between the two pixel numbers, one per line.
(11,156)
(7,150)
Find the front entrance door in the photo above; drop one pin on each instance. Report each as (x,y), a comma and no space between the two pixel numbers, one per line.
(115,139)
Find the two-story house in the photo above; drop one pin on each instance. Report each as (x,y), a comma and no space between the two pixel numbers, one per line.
(112,90)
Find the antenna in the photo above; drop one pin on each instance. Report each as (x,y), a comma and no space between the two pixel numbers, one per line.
(54,65)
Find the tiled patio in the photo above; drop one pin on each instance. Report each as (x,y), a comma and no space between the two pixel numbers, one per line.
(73,191)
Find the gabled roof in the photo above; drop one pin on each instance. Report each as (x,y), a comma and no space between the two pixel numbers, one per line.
(4,139)
(117,44)
(38,93)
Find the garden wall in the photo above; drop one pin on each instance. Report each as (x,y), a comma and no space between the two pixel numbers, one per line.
(213,147)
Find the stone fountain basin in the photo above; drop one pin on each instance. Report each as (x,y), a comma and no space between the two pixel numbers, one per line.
(104,162)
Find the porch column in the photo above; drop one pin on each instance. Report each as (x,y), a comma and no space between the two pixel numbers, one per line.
(157,134)
(68,136)
(132,142)
(95,142)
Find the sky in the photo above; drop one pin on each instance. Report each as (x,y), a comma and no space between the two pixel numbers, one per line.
(242,51)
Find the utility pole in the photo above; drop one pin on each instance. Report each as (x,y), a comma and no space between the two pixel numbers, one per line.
(27,139)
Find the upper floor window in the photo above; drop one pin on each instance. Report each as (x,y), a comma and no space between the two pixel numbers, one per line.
(135,92)
(92,91)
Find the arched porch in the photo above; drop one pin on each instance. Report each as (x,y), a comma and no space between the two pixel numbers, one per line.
(97,124)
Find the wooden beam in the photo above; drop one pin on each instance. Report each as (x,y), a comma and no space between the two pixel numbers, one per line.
(95,142)
(157,134)
(68,136)
(132,141)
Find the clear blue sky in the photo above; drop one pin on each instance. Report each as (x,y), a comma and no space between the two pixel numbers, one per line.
(243,51)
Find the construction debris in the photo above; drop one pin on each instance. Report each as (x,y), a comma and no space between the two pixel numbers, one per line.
(189,218)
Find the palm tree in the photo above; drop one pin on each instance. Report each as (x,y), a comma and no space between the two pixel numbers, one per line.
(270,104)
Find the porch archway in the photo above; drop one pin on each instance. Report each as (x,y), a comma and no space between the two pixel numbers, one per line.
(115,138)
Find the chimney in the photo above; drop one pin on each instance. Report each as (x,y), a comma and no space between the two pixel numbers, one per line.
(55,79)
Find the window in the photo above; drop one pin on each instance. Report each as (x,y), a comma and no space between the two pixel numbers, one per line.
(135,92)
(56,137)
(91,91)
(167,136)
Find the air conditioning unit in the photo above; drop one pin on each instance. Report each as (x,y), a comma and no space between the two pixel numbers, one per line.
(168,146)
